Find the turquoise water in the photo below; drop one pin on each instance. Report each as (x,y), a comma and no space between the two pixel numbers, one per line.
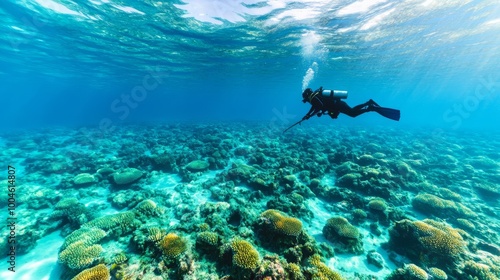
(189,99)
(67,62)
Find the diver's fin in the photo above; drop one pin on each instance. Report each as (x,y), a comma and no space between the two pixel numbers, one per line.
(389,113)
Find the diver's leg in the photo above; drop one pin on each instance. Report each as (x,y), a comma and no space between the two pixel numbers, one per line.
(354,111)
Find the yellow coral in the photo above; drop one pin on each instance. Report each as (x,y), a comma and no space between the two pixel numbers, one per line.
(479,271)
(294,272)
(98,272)
(322,271)
(244,254)
(439,238)
(78,255)
(415,272)
(172,245)
(437,273)
(282,223)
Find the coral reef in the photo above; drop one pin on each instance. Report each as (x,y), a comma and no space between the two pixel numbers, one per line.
(98,272)
(127,176)
(427,241)
(172,245)
(346,236)
(282,223)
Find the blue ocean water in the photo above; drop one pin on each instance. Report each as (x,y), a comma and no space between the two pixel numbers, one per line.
(82,62)
(194,95)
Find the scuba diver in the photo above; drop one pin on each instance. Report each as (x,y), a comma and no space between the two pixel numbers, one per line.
(329,102)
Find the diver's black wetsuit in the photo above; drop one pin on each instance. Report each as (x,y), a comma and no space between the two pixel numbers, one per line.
(334,106)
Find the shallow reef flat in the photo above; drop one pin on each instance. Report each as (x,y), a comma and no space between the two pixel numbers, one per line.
(244,201)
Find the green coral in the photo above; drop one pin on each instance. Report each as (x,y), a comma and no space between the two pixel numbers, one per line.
(197,166)
(282,223)
(127,176)
(208,238)
(155,234)
(435,205)
(98,272)
(147,207)
(172,245)
(120,258)
(244,254)
(88,236)
(116,223)
(342,227)
(79,249)
(377,204)
(84,179)
(79,255)
(73,211)
(339,231)
(465,224)
(294,272)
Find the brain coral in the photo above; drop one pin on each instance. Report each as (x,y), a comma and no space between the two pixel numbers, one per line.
(282,223)
(98,272)
(244,254)
(172,245)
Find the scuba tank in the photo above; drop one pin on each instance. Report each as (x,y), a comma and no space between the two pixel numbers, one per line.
(329,93)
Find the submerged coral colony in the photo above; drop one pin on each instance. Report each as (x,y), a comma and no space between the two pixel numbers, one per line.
(230,202)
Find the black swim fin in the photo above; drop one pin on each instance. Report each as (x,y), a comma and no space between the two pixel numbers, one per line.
(389,113)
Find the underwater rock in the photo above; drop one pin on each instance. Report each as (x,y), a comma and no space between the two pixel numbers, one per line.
(197,166)
(127,176)
(71,211)
(376,259)
(164,162)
